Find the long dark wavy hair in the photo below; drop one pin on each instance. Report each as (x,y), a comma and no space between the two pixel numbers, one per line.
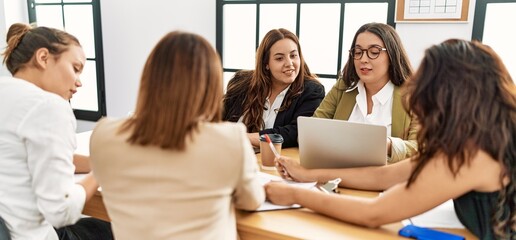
(257,84)
(399,69)
(465,101)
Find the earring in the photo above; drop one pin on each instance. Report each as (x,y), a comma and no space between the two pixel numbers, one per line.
(267,67)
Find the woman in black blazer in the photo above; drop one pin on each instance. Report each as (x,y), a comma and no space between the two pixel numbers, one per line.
(270,98)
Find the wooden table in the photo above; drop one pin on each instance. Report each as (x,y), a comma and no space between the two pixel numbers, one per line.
(294,223)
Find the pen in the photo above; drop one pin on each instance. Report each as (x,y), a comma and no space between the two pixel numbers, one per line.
(276,154)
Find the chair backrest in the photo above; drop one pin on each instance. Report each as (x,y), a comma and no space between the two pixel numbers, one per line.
(4,231)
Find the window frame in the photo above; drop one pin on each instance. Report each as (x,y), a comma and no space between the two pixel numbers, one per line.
(82,114)
(480,17)
(220,31)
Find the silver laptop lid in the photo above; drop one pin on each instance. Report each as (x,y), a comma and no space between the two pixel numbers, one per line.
(331,143)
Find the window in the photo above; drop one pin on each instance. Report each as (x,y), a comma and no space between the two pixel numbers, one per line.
(81,18)
(491,27)
(325,30)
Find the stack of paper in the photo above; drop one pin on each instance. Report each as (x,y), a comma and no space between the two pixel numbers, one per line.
(442,216)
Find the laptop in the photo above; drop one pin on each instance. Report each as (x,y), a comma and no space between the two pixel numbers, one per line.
(331,143)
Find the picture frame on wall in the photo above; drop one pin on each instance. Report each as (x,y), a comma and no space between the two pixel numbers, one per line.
(432,11)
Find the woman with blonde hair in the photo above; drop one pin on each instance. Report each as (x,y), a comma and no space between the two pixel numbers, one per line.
(173,170)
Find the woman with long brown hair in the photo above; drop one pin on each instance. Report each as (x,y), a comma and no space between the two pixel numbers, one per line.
(173,170)
(281,88)
(465,100)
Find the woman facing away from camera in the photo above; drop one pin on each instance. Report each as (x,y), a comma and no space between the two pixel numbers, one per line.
(173,170)
(465,101)
(369,88)
(39,196)
(281,88)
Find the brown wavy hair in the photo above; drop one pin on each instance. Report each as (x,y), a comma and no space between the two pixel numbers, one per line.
(259,85)
(399,69)
(23,41)
(181,86)
(465,100)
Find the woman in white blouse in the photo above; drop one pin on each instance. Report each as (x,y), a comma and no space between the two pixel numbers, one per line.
(369,89)
(39,198)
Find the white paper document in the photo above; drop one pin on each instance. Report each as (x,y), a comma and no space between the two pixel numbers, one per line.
(83,143)
(442,216)
(265,178)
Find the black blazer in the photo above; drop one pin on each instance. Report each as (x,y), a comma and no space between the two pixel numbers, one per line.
(286,120)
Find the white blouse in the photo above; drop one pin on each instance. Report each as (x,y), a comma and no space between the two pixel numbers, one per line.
(271,110)
(381,113)
(37,142)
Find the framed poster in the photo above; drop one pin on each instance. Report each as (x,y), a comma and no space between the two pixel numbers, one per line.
(432,10)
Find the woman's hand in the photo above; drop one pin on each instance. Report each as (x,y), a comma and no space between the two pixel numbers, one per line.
(389,146)
(254,138)
(280,193)
(291,170)
(82,163)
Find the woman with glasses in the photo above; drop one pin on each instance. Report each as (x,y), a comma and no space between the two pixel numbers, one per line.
(281,88)
(368,89)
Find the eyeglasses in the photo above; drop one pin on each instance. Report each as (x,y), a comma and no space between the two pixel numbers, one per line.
(372,52)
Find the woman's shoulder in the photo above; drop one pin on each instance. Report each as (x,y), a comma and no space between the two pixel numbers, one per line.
(109,121)
(238,84)
(312,83)
(313,86)
(224,134)
(29,92)
(34,100)
(241,75)
(225,127)
(107,125)
(244,73)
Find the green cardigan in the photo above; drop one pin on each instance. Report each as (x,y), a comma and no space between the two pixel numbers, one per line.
(339,103)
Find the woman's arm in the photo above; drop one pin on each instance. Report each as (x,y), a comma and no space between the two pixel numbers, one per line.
(404,148)
(254,138)
(404,130)
(82,163)
(435,185)
(90,185)
(249,193)
(366,178)
(49,133)
(329,104)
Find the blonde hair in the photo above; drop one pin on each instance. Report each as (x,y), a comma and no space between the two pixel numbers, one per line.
(180,87)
